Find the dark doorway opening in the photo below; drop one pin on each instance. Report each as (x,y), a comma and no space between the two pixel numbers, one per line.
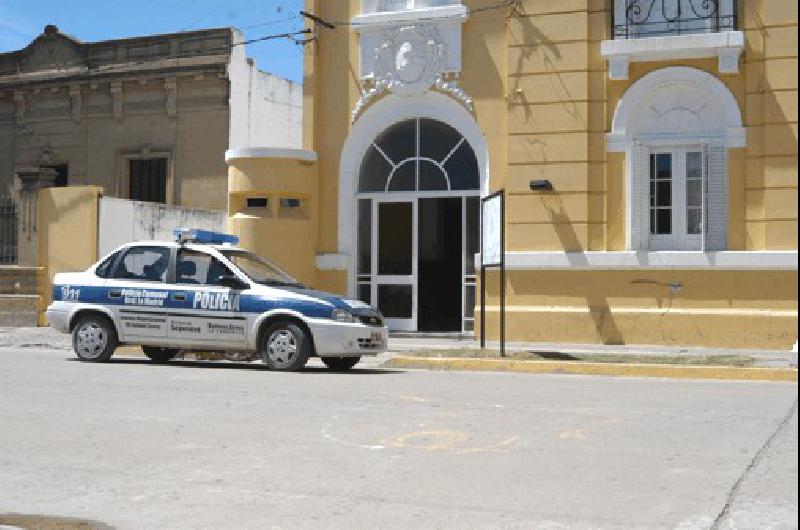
(440,264)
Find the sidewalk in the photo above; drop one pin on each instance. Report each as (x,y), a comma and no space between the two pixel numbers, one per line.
(766,358)
(49,338)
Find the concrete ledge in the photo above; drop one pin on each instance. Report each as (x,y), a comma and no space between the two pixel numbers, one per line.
(270,152)
(632,260)
(605,369)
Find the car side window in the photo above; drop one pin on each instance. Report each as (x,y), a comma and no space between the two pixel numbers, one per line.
(104,269)
(199,268)
(147,264)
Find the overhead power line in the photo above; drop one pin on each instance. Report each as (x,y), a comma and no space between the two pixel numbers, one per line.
(270,22)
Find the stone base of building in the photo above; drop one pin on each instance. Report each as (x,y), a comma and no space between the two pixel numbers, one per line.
(20,296)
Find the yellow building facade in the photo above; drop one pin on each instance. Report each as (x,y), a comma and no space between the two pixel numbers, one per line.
(647,149)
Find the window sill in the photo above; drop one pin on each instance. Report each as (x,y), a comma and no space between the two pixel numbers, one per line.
(626,260)
(726,45)
(457,12)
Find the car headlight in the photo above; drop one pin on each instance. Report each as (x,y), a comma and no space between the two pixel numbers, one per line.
(342,315)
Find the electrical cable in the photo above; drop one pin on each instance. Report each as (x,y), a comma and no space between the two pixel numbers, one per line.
(502,5)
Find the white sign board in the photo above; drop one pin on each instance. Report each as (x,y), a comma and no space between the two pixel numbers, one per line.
(492,219)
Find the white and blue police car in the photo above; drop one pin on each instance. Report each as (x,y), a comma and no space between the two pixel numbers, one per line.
(202,293)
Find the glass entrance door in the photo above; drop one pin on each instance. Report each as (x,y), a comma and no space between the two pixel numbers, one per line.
(416,260)
(394,244)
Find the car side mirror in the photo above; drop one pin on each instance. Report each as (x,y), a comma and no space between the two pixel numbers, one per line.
(233,282)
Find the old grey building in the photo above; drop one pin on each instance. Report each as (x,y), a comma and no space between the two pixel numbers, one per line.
(147,118)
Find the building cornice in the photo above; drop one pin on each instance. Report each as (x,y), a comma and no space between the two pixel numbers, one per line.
(366,22)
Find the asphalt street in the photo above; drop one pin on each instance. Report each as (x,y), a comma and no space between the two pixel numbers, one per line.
(220,445)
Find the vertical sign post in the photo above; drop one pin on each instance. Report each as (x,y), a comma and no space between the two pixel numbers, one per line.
(493,255)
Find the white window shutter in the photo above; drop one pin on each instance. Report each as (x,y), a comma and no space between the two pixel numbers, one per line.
(716,198)
(640,196)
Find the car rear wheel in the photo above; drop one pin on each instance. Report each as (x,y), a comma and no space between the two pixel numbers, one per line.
(160,355)
(285,347)
(340,364)
(94,338)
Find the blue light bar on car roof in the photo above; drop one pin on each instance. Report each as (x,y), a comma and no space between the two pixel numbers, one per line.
(195,235)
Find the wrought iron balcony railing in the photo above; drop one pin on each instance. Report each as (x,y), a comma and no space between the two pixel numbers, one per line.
(652,18)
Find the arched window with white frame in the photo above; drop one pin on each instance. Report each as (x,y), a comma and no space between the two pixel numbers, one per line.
(676,126)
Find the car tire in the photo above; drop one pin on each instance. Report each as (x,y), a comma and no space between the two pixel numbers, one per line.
(340,364)
(160,355)
(94,338)
(285,347)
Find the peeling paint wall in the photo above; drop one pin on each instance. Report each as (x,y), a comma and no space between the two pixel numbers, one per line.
(122,221)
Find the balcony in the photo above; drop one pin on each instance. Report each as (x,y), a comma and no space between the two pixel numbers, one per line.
(653,18)
(398,11)
(653,30)
(388,6)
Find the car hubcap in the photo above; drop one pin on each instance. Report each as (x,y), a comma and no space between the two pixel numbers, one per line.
(282,348)
(91,340)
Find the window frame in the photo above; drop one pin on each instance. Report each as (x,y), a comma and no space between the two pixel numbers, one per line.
(123,184)
(679,240)
(418,157)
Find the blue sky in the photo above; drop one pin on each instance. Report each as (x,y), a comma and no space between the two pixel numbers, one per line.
(92,20)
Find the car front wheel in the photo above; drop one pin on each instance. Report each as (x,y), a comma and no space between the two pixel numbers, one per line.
(285,347)
(94,338)
(340,364)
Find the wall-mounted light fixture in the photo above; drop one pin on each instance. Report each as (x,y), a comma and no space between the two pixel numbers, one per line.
(541,185)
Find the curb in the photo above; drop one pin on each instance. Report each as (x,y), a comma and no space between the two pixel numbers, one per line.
(730,373)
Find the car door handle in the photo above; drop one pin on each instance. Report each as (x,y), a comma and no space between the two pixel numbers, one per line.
(179,297)
(115,294)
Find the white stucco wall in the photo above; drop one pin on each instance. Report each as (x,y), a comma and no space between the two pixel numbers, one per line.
(265,110)
(122,221)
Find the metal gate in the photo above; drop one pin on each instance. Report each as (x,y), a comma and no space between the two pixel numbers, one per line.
(8,231)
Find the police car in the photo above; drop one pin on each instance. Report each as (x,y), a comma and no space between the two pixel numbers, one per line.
(202,293)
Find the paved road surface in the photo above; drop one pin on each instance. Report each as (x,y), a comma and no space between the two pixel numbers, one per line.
(204,445)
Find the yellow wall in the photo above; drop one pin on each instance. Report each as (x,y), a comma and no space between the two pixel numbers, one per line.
(722,309)
(67,224)
(561,104)
(288,237)
(544,103)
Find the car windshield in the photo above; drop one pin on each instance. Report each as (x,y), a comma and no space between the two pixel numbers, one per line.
(259,269)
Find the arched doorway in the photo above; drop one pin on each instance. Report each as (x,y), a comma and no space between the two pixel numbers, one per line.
(418,195)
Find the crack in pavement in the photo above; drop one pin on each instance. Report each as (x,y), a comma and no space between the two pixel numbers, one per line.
(750,468)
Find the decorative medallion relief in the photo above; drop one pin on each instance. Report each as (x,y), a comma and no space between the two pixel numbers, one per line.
(410,61)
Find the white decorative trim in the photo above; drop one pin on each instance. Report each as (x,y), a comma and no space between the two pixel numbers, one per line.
(376,118)
(726,45)
(332,262)
(410,17)
(727,260)
(270,152)
(450,88)
(735,134)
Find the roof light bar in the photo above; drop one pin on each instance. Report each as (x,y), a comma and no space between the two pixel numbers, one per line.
(196,235)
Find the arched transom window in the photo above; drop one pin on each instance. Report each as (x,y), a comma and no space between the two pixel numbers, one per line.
(419,155)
